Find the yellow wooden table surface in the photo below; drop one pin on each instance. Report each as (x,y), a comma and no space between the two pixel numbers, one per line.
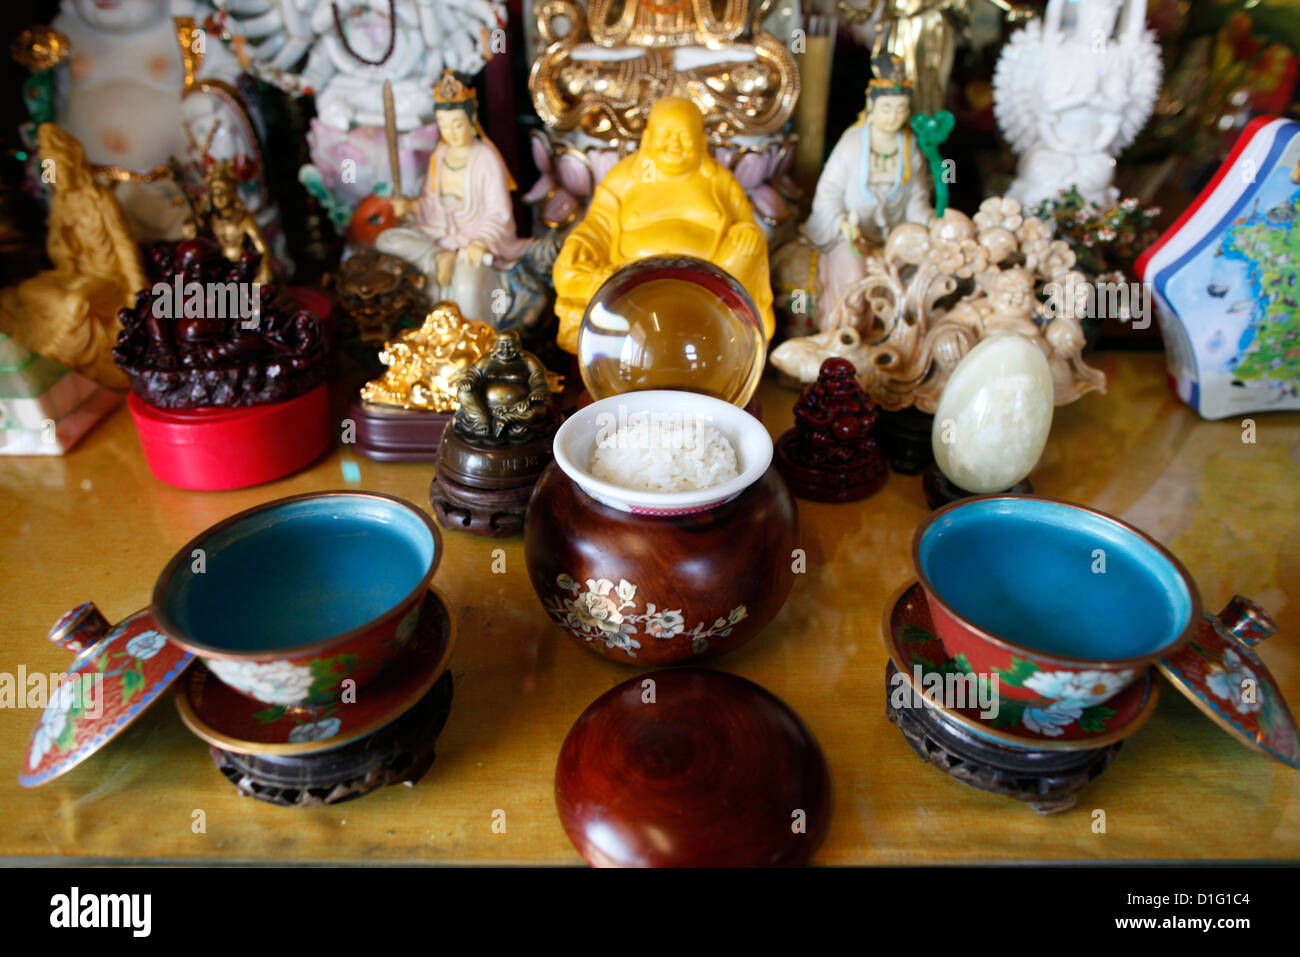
(95,525)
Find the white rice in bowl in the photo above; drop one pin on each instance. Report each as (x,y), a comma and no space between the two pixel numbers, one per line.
(666,454)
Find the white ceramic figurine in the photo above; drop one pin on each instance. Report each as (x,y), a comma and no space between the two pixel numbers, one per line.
(1071,91)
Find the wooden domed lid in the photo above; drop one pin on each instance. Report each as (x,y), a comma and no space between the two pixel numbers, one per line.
(692,768)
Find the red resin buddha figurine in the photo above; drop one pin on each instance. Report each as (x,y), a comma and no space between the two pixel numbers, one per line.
(831,454)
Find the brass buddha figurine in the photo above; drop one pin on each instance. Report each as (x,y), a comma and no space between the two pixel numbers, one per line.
(669,198)
(505,396)
(498,442)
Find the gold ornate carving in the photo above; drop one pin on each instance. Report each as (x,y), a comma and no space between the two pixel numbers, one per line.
(188,38)
(39,48)
(610,99)
(665,23)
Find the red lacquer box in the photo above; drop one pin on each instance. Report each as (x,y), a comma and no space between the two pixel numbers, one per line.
(211,449)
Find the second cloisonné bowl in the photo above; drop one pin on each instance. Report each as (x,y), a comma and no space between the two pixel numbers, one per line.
(1065,605)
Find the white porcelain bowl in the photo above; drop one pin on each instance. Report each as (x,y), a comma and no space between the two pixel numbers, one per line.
(576,439)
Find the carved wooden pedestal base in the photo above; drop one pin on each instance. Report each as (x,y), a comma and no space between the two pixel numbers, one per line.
(388,434)
(398,752)
(1048,781)
(828,485)
(939,491)
(498,513)
(905,439)
(484,489)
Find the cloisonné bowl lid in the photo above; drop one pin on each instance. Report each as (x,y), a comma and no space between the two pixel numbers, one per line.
(692,768)
(117,674)
(672,323)
(1219,671)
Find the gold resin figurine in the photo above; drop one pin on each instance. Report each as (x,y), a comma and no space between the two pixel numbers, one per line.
(423,364)
(923,34)
(669,198)
(69,313)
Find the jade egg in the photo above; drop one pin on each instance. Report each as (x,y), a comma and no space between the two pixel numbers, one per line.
(994,415)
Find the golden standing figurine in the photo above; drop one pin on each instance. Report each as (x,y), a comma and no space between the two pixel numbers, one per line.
(669,198)
(423,364)
(923,34)
(223,214)
(69,313)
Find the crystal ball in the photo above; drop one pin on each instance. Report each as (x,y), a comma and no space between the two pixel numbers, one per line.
(672,323)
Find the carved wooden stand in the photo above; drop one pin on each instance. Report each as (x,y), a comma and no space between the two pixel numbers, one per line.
(498,513)
(905,439)
(484,490)
(939,491)
(1048,781)
(402,751)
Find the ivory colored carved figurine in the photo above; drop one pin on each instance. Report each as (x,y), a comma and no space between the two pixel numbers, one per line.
(69,313)
(669,198)
(1071,91)
(464,237)
(1011,278)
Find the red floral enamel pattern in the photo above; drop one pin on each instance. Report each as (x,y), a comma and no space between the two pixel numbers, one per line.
(1030,675)
(1220,672)
(1070,715)
(223,717)
(117,674)
(1028,678)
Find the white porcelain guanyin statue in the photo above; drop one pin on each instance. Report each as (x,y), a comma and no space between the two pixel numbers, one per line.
(463,237)
(875,179)
(1071,91)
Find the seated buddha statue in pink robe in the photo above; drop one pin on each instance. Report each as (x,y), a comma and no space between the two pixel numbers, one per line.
(464,237)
